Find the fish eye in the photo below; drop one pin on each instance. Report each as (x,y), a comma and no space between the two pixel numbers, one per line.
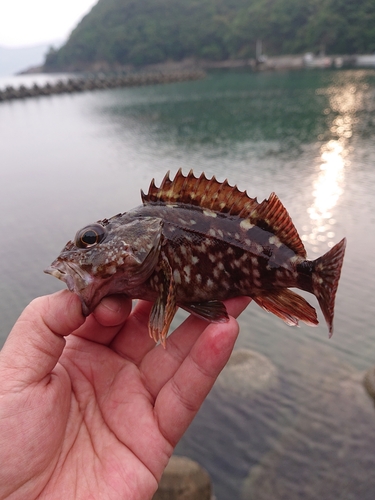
(90,236)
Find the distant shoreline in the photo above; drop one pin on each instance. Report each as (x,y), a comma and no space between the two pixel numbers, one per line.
(283,62)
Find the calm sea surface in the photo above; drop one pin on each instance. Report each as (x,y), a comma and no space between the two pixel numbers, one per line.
(69,160)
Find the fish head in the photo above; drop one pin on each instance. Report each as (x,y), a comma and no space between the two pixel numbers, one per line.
(107,257)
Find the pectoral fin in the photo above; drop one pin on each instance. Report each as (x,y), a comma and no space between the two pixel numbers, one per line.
(212,310)
(164,308)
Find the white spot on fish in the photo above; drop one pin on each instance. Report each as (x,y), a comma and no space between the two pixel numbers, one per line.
(220,266)
(177,260)
(209,213)
(212,257)
(212,232)
(256,273)
(274,240)
(177,276)
(254,261)
(210,283)
(183,250)
(295,259)
(192,222)
(225,284)
(203,247)
(187,271)
(220,233)
(248,242)
(194,259)
(198,278)
(246,224)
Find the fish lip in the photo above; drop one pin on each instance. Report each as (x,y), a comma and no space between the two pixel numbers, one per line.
(75,277)
(55,272)
(77,280)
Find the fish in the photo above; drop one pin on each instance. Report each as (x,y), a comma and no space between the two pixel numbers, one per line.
(193,243)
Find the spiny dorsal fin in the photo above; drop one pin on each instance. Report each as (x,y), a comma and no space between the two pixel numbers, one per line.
(202,192)
(224,198)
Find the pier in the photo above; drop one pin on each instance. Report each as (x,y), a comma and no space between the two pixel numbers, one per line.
(82,84)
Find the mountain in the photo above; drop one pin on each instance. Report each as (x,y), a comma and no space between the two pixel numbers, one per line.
(138,32)
(14,60)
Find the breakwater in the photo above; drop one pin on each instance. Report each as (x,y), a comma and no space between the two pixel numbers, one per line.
(81,84)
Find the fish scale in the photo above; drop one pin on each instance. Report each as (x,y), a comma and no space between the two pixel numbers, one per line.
(193,243)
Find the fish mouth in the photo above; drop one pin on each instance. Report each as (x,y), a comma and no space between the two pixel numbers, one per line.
(74,276)
(77,281)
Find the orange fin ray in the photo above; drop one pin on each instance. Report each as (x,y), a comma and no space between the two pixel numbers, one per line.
(326,275)
(276,216)
(200,191)
(289,306)
(164,308)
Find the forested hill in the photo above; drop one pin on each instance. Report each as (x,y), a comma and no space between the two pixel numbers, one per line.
(149,31)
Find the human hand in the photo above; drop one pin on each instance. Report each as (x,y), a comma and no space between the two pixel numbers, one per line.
(96,415)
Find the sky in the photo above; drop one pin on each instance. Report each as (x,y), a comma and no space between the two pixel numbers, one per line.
(26,23)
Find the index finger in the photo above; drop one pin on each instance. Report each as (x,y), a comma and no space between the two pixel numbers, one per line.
(36,341)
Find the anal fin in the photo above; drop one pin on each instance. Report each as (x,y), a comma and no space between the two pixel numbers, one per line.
(289,306)
(212,310)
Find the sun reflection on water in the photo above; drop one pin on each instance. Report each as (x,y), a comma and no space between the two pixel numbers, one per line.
(327,189)
(329,184)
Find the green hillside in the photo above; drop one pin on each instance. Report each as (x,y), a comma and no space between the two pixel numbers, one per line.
(141,32)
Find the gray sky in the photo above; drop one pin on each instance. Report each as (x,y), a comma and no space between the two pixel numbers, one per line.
(31,22)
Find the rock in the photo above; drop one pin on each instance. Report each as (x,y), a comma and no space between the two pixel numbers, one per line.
(369,382)
(327,454)
(248,373)
(183,479)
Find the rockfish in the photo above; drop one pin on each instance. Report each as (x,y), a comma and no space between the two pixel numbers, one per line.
(194,243)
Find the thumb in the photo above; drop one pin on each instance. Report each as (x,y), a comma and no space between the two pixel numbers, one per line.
(36,341)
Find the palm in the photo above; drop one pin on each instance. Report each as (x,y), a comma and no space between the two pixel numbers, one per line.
(103,421)
(111,427)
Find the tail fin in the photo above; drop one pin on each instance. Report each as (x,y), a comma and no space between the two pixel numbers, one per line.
(326,275)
